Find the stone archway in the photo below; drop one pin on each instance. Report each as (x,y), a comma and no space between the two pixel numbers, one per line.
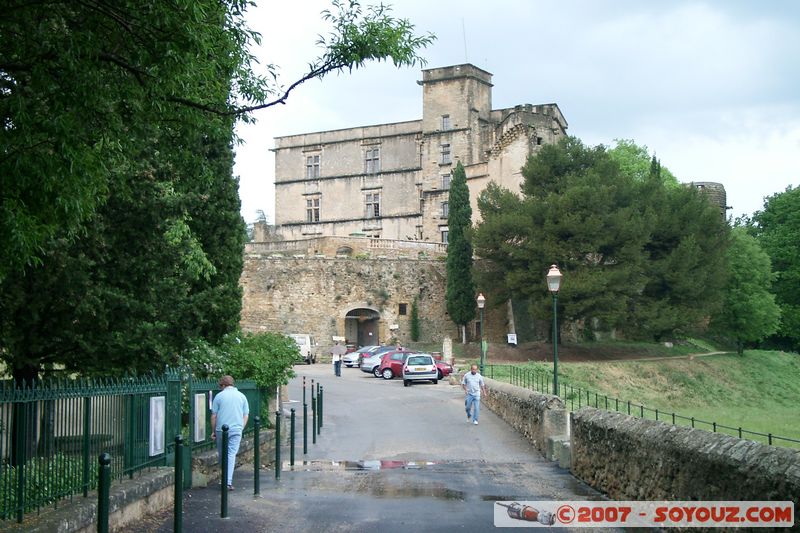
(361,326)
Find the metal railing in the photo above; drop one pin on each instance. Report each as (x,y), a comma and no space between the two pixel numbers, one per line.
(541,380)
(52,432)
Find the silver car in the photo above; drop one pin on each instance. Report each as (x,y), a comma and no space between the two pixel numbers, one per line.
(352,358)
(420,367)
(371,362)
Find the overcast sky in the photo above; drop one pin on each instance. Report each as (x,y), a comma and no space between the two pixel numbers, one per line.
(713,88)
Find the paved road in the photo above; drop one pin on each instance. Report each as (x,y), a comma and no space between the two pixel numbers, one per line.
(388,458)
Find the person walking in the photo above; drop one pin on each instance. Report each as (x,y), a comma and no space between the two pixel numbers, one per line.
(230,407)
(336,355)
(473,384)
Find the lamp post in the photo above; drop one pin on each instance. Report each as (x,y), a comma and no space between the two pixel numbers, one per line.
(553,284)
(481,302)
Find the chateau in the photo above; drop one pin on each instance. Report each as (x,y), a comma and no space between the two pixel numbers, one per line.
(391,181)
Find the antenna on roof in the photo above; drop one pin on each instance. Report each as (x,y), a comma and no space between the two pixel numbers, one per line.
(464,34)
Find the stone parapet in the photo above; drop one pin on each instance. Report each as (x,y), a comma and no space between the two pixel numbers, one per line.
(535,416)
(635,459)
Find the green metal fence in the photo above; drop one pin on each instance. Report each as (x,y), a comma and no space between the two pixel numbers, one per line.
(541,380)
(52,432)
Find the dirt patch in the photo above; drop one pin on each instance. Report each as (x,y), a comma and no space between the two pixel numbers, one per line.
(568,353)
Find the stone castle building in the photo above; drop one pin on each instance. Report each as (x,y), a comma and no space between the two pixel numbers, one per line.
(391,181)
(361,214)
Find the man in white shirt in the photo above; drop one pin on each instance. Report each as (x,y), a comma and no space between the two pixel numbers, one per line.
(473,384)
(336,354)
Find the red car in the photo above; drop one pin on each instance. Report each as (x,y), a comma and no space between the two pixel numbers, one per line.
(445,369)
(392,363)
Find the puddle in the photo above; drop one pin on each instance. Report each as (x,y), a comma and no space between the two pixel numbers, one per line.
(330,466)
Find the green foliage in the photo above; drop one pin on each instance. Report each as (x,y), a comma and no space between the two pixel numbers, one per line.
(415,326)
(776,227)
(460,294)
(265,358)
(636,254)
(749,312)
(635,161)
(120,233)
(47,480)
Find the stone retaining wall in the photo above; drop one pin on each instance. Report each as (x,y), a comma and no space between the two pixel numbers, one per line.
(634,459)
(535,416)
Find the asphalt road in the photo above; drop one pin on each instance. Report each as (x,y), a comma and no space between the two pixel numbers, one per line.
(388,458)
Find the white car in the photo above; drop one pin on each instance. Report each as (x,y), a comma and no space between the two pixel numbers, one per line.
(420,367)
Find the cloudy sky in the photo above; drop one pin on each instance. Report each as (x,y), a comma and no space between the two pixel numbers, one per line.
(713,88)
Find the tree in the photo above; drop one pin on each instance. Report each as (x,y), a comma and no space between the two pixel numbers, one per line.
(415,333)
(120,233)
(776,228)
(79,80)
(637,255)
(749,312)
(635,162)
(460,295)
(578,211)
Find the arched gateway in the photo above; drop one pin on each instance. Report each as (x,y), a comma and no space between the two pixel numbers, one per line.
(361,326)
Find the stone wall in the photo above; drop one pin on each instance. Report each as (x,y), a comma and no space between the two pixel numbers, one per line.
(535,416)
(313,295)
(634,459)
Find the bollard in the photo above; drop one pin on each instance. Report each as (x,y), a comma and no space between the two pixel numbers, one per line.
(305,428)
(257,456)
(321,402)
(313,419)
(277,444)
(304,389)
(291,438)
(177,522)
(103,485)
(223,478)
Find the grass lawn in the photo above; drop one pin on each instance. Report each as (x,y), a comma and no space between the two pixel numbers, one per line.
(758,391)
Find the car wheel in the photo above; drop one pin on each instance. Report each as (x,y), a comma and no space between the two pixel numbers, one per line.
(387,373)
(435,381)
(376,372)
(439,374)
(406,383)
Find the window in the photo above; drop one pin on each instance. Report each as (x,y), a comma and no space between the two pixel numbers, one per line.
(445,182)
(446,154)
(312,210)
(373,205)
(312,166)
(445,122)
(444,235)
(372,161)
(402,309)
(445,209)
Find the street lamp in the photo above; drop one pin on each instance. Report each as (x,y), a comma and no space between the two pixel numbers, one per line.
(481,302)
(553,284)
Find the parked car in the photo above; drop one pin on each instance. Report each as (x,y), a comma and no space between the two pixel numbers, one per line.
(306,345)
(392,363)
(371,363)
(353,358)
(443,369)
(419,367)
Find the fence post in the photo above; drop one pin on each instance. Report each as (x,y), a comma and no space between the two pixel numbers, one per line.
(769,436)
(277,444)
(103,484)
(20,453)
(321,402)
(291,438)
(313,418)
(223,478)
(177,523)
(87,405)
(257,455)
